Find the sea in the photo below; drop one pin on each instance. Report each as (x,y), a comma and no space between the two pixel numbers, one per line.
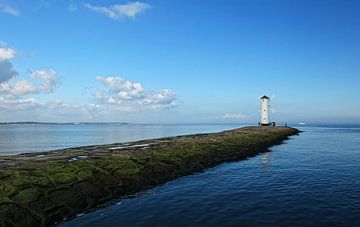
(16,138)
(312,179)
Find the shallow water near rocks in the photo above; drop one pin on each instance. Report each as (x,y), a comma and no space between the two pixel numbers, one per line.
(311,179)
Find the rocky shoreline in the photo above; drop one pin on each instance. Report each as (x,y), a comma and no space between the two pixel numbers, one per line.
(49,187)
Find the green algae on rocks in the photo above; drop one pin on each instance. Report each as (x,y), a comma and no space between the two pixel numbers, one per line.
(50,187)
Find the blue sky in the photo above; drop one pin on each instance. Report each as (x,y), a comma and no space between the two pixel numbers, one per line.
(204,61)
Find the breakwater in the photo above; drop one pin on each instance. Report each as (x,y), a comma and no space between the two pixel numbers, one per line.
(44,188)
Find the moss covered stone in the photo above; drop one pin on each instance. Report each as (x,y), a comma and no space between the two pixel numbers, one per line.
(26,195)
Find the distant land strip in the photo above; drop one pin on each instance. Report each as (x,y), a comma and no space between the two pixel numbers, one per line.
(46,188)
(62,123)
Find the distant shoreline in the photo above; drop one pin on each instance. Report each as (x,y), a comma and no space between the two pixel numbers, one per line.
(62,123)
(209,123)
(114,123)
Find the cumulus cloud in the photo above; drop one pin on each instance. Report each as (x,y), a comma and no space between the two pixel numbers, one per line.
(6,71)
(10,10)
(118,11)
(6,53)
(49,78)
(8,103)
(25,87)
(6,68)
(116,98)
(234,116)
(18,97)
(120,91)
(164,98)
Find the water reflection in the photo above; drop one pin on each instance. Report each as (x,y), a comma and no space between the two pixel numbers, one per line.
(265,159)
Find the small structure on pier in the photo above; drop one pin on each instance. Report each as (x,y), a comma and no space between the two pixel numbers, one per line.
(264,111)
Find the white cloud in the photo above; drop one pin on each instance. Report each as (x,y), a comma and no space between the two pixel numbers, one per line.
(17,104)
(118,11)
(164,98)
(21,87)
(121,89)
(6,53)
(125,93)
(13,94)
(49,78)
(17,97)
(24,87)
(234,116)
(10,10)
(6,68)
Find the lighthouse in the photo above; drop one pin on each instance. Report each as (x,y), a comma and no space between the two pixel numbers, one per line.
(265,103)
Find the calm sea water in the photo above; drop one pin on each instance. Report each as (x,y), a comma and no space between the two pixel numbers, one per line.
(16,139)
(312,179)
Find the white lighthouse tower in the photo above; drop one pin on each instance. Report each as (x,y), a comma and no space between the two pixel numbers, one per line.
(265,103)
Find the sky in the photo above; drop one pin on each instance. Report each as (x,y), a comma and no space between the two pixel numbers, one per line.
(188,61)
